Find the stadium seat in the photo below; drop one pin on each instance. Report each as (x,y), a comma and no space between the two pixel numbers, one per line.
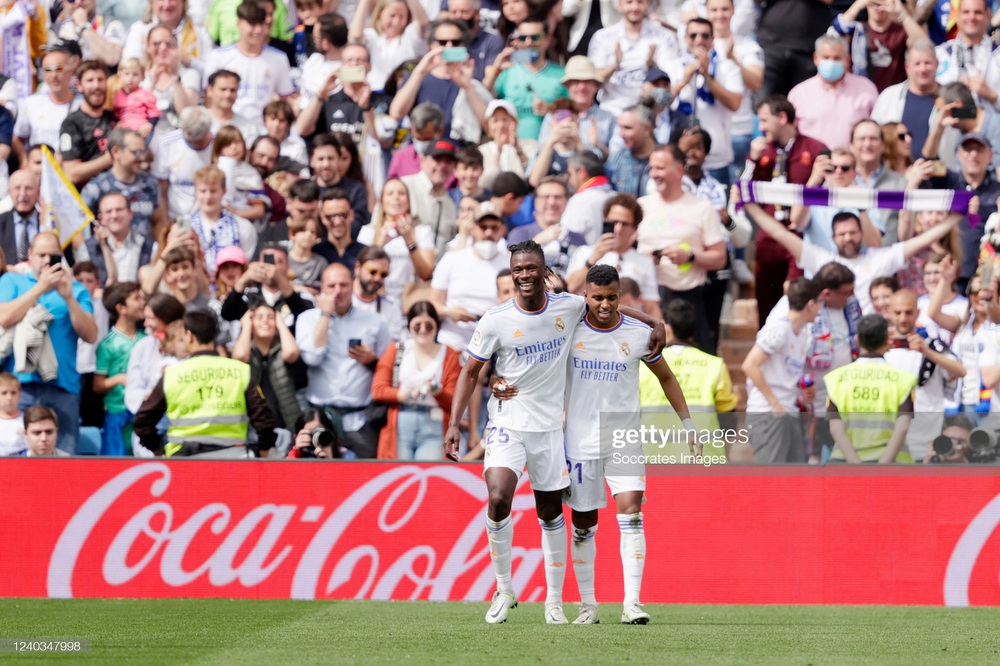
(89,441)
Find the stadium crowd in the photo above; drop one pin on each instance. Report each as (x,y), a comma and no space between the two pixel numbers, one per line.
(303,209)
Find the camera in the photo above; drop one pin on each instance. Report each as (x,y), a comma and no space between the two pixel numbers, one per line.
(982,445)
(321,437)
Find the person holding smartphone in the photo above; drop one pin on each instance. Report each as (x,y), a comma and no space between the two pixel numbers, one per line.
(31,300)
(341,344)
(523,75)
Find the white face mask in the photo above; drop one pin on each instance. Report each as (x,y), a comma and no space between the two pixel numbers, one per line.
(486,249)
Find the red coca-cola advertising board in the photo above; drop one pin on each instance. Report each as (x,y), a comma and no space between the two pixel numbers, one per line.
(107,528)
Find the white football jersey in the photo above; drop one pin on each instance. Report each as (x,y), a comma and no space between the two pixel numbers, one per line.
(261,77)
(531,355)
(602,375)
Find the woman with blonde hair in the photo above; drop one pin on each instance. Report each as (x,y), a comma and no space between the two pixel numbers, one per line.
(409,244)
(396,35)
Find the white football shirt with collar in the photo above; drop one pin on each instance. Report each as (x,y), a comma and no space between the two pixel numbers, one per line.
(602,375)
(531,355)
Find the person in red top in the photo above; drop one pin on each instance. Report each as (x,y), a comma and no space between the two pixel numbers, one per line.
(781,155)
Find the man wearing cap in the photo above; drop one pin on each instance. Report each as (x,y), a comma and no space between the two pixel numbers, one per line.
(624,51)
(524,76)
(179,155)
(40,117)
(582,83)
(465,281)
(657,85)
(484,46)
(975,175)
(429,198)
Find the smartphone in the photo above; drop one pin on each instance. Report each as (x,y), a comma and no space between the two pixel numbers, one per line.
(525,56)
(900,343)
(964,112)
(183,222)
(563,114)
(455,54)
(268,259)
(353,342)
(55,259)
(609,228)
(351,74)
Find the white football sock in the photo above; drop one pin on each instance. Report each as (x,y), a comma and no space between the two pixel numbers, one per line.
(501,537)
(633,550)
(554,552)
(584,554)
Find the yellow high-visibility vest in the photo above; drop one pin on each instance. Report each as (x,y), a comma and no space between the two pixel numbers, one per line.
(868,394)
(206,402)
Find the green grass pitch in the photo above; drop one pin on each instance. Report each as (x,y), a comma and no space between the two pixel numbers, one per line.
(365,632)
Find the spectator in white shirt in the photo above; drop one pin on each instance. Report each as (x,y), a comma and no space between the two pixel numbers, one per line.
(711,86)
(264,71)
(624,51)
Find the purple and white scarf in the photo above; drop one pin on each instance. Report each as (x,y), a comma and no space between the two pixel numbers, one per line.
(785,194)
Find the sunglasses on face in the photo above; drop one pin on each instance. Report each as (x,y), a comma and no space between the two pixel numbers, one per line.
(449,42)
(377,273)
(336,217)
(528,38)
(699,35)
(422,326)
(903,136)
(842,168)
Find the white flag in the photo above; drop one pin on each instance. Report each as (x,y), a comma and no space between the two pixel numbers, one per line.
(63,211)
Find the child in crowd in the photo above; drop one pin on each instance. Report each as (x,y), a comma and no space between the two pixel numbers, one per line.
(216,225)
(91,404)
(230,263)
(278,119)
(468,170)
(306,266)
(135,107)
(12,441)
(245,196)
(881,291)
(125,303)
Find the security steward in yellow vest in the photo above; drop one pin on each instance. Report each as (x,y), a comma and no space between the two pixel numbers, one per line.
(870,403)
(209,402)
(704,380)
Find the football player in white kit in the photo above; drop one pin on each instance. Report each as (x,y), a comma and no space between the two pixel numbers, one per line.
(529,335)
(603,376)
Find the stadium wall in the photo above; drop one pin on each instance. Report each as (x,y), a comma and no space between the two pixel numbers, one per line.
(733,535)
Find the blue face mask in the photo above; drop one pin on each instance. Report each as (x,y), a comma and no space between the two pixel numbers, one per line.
(831,70)
(422,146)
